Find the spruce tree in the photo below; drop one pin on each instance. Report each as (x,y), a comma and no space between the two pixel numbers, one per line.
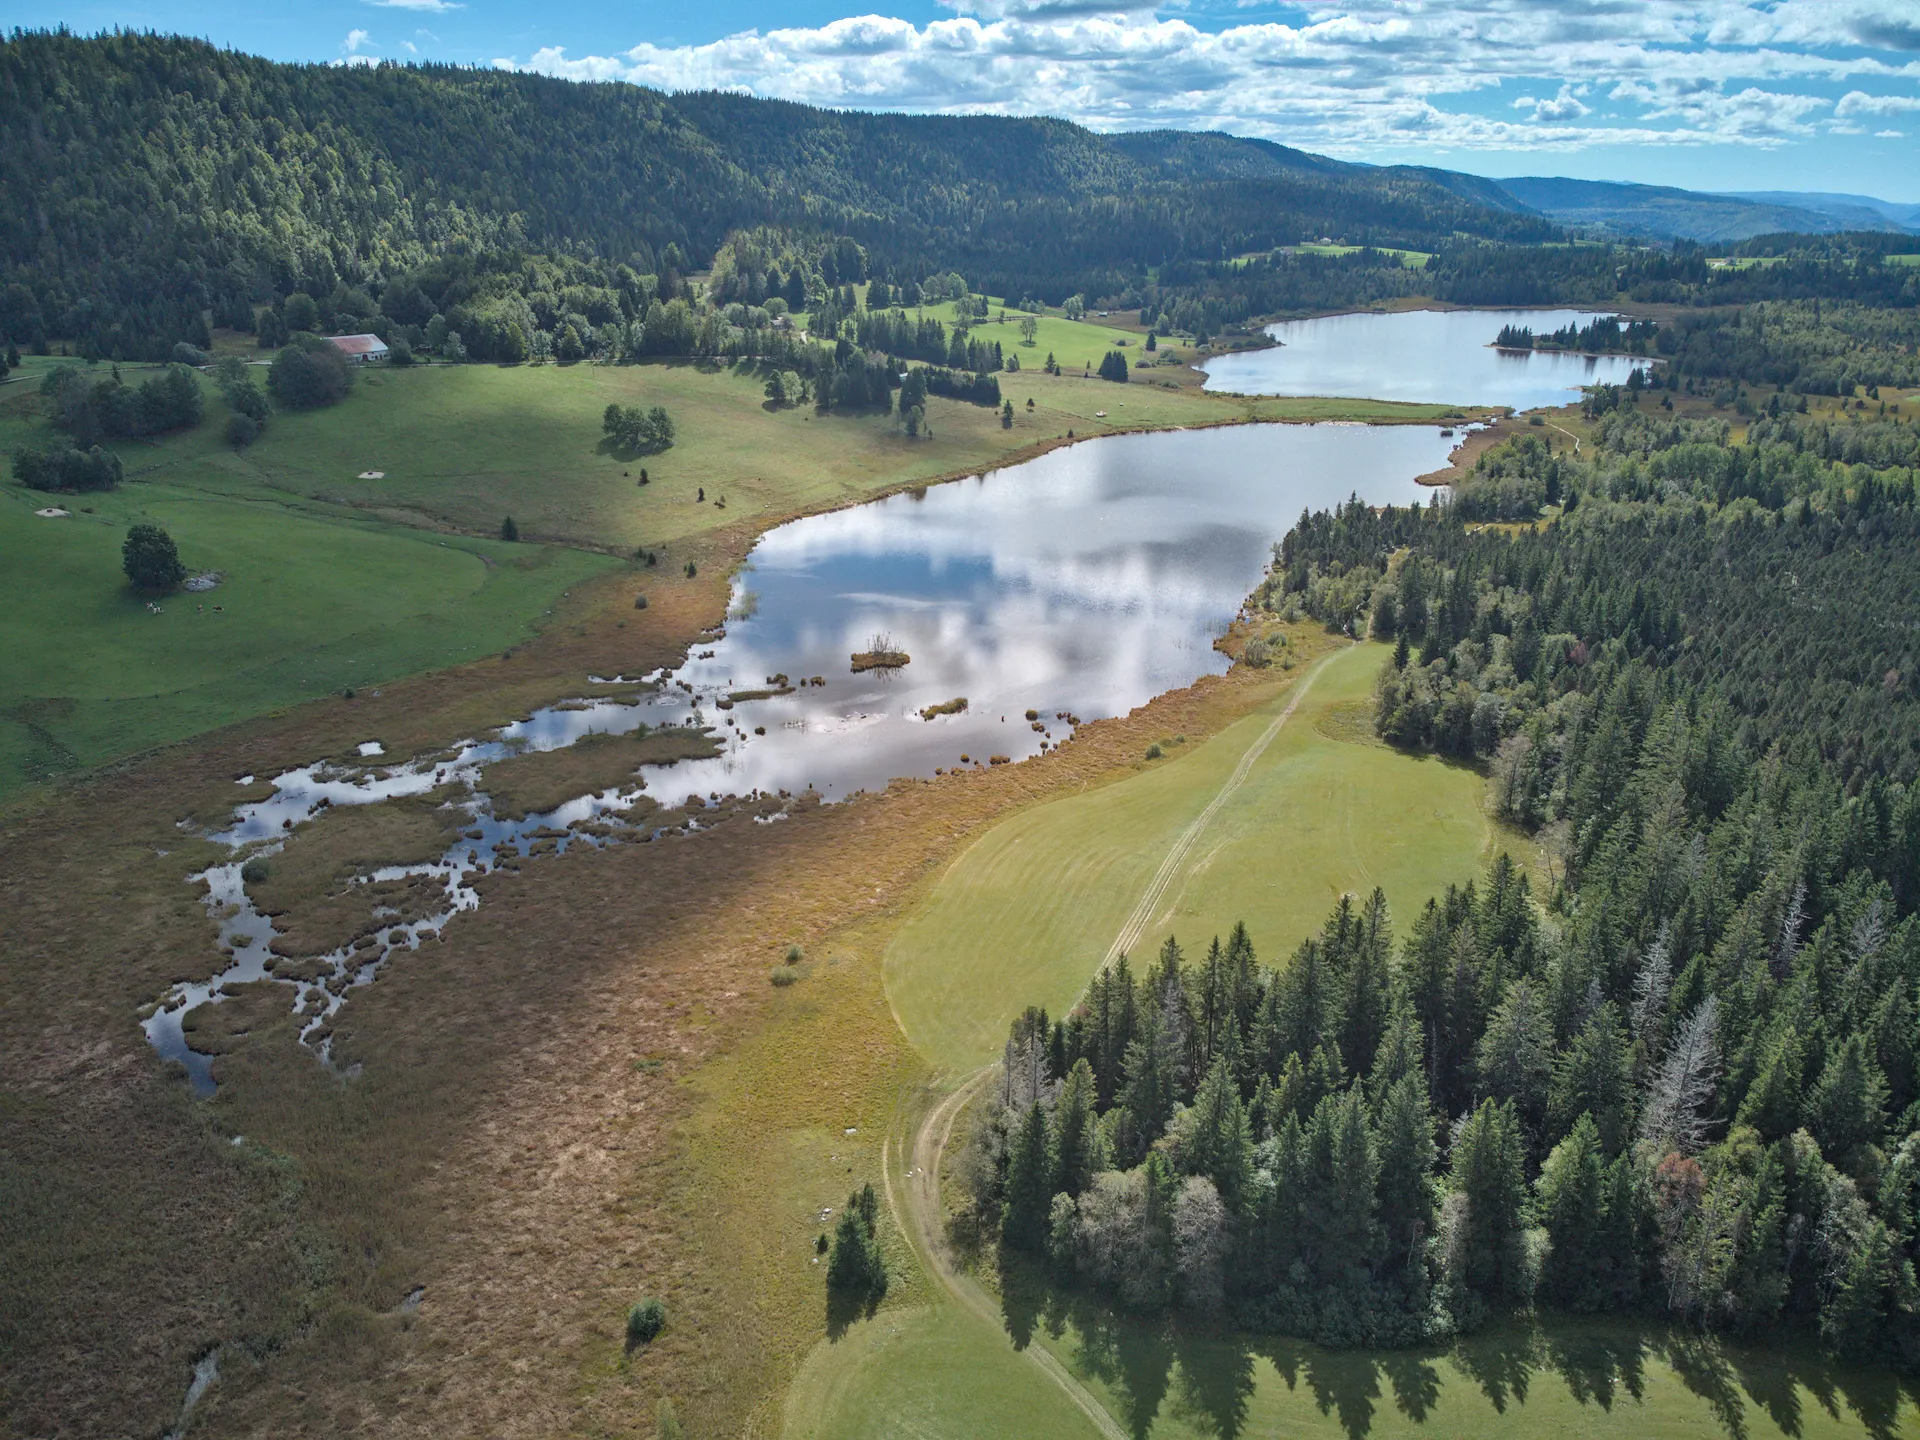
(1489,1175)
(1148,1093)
(1366,987)
(1023,1224)
(1404,1183)
(1594,1077)
(1399,1054)
(1756,1276)
(1847,1109)
(1772,1102)
(1341,1233)
(1278,1230)
(857,1265)
(1853,1320)
(1572,1191)
(1219,1141)
(1514,1059)
(1073,1141)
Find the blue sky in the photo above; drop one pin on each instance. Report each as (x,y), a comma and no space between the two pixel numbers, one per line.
(1728,95)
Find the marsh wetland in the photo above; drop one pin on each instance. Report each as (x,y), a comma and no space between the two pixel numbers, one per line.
(1076,586)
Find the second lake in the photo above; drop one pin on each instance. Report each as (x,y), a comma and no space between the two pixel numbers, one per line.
(1440,357)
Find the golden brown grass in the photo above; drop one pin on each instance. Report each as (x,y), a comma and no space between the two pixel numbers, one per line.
(344,841)
(536,783)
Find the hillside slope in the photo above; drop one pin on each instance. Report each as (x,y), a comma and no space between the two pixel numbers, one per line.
(152,176)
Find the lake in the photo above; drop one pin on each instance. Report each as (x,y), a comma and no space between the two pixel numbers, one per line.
(1442,357)
(1082,583)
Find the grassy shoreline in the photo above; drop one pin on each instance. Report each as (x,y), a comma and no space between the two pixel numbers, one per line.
(306,544)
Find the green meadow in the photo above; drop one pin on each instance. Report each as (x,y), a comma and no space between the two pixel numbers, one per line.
(939,1371)
(1077,344)
(926,1370)
(1410,259)
(1559,1377)
(1026,914)
(308,603)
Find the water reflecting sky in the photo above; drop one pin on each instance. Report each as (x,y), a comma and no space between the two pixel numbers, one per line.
(1085,582)
(1440,357)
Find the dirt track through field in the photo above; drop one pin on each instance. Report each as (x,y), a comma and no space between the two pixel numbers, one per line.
(1156,890)
(922,1214)
(915,1198)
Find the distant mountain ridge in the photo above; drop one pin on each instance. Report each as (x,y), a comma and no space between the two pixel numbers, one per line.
(1663,212)
(1851,208)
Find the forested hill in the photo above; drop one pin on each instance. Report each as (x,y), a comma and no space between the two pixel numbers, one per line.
(143,174)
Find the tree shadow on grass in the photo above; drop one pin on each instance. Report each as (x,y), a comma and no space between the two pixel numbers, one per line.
(1597,1364)
(1024,1295)
(1343,1383)
(622,452)
(1501,1361)
(1216,1380)
(1133,1358)
(845,1306)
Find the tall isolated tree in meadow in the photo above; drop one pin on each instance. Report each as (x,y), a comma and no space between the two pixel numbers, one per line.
(151,559)
(857,1264)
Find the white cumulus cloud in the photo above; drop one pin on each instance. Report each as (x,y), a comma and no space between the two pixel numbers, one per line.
(1355,77)
(1565,106)
(1858,102)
